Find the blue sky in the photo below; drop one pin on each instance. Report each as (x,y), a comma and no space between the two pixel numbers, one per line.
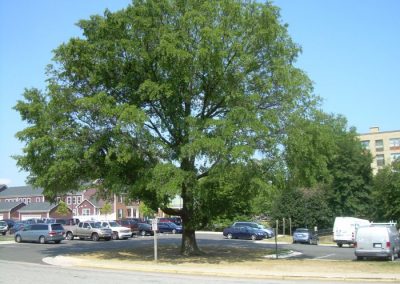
(350,52)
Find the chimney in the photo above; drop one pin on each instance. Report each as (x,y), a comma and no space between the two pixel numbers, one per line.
(374,129)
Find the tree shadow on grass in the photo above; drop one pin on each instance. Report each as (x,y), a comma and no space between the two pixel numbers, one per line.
(170,253)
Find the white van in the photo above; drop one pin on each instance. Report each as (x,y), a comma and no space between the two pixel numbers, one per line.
(377,240)
(344,229)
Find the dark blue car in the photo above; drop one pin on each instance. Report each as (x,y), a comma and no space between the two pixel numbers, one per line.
(169,227)
(247,233)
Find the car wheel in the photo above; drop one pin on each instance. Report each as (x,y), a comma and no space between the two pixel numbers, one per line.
(143,233)
(310,241)
(253,237)
(115,236)
(316,242)
(18,238)
(95,237)
(229,236)
(340,245)
(360,258)
(107,239)
(174,231)
(57,242)
(42,240)
(70,236)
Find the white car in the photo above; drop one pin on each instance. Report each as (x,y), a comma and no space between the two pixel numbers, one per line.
(3,227)
(119,232)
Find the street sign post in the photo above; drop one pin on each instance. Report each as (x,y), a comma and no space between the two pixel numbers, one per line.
(154,227)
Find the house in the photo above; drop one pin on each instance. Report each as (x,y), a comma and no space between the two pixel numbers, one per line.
(83,204)
(41,210)
(9,210)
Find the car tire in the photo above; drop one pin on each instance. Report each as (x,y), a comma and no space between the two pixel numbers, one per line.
(69,236)
(107,239)
(42,240)
(115,236)
(18,238)
(392,257)
(95,237)
(174,231)
(143,233)
(253,237)
(57,242)
(229,236)
(340,245)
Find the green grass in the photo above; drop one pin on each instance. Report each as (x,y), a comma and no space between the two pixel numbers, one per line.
(6,238)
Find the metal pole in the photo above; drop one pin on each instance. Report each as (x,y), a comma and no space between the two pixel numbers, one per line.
(283,231)
(290,226)
(155,246)
(276,239)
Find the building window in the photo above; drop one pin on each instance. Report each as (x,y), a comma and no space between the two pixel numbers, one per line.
(74,211)
(85,211)
(73,200)
(69,200)
(28,200)
(394,143)
(79,200)
(120,199)
(379,145)
(380,160)
(395,156)
(38,199)
(365,144)
(120,213)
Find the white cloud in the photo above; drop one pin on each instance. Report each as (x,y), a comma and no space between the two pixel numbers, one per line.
(6,181)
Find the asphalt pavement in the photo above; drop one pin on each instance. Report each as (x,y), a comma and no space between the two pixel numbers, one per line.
(222,270)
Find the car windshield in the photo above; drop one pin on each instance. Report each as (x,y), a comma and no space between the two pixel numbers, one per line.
(114,224)
(96,225)
(2,223)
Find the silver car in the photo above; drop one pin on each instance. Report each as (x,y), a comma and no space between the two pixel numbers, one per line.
(41,233)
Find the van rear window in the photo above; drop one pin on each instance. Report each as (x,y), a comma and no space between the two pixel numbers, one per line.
(57,227)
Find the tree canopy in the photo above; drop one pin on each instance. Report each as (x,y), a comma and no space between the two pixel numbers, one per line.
(166,98)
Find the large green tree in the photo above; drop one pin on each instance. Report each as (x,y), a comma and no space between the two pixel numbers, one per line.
(165,98)
(386,194)
(322,152)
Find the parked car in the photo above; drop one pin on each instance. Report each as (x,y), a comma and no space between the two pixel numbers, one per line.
(88,229)
(245,232)
(303,235)
(169,227)
(41,233)
(267,233)
(18,226)
(145,229)
(63,221)
(377,240)
(9,222)
(133,225)
(118,231)
(176,220)
(3,227)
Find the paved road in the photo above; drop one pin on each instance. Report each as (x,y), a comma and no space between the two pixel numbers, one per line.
(34,253)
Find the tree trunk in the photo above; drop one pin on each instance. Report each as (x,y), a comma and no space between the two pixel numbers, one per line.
(189,243)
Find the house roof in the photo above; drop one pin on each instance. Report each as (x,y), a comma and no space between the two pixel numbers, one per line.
(8,206)
(38,207)
(20,191)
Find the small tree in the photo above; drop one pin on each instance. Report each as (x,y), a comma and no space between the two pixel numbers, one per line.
(63,209)
(106,209)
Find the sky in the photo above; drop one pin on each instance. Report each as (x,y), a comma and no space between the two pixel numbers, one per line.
(350,50)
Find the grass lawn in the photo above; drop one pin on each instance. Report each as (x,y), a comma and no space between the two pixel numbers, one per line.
(238,260)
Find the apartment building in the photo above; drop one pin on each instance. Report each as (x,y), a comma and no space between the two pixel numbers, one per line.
(383,145)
